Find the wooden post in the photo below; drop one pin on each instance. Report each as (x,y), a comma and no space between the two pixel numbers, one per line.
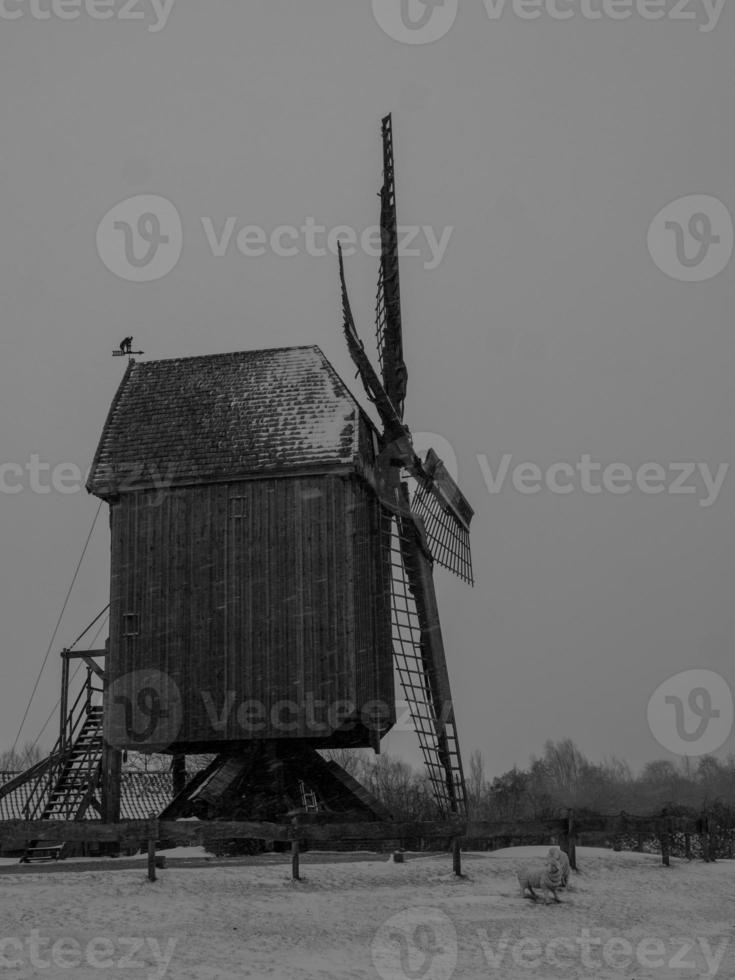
(688,846)
(27,838)
(110,793)
(178,773)
(457,856)
(571,848)
(152,834)
(151,859)
(665,839)
(64,705)
(111,777)
(706,838)
(295,850)
(620,826)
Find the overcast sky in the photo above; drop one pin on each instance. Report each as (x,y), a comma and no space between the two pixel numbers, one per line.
(546,331)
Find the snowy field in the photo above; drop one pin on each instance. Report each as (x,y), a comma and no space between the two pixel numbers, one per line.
(625,918)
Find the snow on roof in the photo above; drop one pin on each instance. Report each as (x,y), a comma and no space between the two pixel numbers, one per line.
(221,416)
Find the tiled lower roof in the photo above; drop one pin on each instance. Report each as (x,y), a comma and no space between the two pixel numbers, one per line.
(141,794)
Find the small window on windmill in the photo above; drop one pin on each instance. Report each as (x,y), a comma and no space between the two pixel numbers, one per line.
(131,624)
(237,506)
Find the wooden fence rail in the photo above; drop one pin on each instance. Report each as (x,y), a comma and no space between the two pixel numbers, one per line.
(14,833)
(17,834)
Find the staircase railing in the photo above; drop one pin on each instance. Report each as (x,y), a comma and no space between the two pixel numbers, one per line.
(53,766)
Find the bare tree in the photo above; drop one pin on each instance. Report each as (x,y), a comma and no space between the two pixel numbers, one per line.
(476,785)
(18,760)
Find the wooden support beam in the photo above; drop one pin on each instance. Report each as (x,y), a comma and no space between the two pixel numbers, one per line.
(178,773)
(82,654)
(93,665)
(110,788)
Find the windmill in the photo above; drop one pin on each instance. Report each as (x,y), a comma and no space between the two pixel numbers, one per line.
(420,528)
(271,569)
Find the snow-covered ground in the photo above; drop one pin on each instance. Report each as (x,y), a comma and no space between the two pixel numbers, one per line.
(625,918)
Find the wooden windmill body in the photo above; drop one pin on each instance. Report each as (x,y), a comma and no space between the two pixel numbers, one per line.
(272,557)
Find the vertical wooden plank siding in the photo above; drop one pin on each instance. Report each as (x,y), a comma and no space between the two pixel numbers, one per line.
(273,589)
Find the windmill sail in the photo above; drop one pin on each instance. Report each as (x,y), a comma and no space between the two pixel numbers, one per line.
(374,389)
(439,502)
(421,663)
(446,514)
(433,526)
(389,334)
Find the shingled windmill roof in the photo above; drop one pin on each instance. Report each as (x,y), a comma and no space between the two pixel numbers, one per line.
(222,416)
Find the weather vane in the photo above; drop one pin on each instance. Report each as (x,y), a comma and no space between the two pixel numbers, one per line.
(126,348)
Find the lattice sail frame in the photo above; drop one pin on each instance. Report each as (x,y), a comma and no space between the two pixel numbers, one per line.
(388,327)
(446,516)
(421,677)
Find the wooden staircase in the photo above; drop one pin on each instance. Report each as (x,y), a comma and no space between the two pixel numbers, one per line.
(66,789)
